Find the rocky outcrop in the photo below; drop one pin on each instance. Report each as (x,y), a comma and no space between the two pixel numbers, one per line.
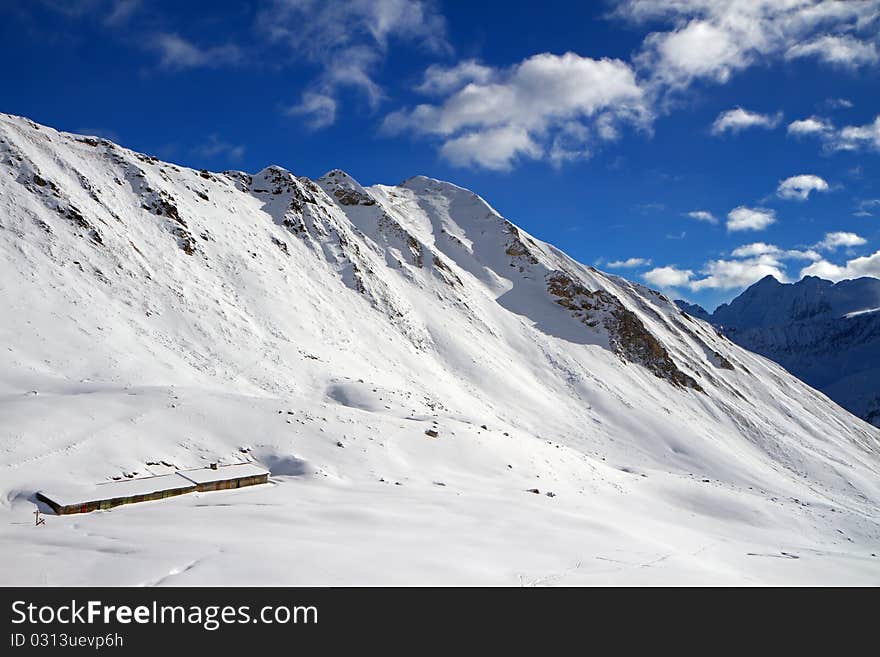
(628,336)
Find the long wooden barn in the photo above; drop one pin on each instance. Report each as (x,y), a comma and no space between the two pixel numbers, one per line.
(84,499)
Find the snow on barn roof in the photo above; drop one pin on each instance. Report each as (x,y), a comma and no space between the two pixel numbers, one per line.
(224,473)
(185,480)
(72,494)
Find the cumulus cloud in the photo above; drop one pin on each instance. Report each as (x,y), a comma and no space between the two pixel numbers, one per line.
(552,107)
(743,218)
(177,53)
(629,263)
(347,41)
(668,276)
(842,50)
(855,137)
(750,263)
(738,119)
(812,125)
(799,187)
(855,268)
(833,241)
(440,79)
(493,148)
(703,215)
(730,274)
(754,249)
(714,39)
(847,138)
(763,249)
(561,108)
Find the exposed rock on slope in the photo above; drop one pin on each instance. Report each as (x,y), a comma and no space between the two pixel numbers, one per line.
(626,333)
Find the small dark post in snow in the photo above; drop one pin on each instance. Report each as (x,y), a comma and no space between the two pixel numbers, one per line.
(37,519)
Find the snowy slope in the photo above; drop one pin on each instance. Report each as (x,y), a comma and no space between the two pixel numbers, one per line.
(827,334)
(159,318)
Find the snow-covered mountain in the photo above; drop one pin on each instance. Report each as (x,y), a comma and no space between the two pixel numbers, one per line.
(827,334)
(440,396)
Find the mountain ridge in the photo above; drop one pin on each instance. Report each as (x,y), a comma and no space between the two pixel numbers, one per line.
(388,352)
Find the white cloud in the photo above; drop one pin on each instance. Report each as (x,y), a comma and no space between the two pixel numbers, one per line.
(854,137)
(703,215)
(848,138)
(347,40)
(559,108)
(319,109)
(738,119)
(176,53)
(440,80)
(755,249)
(842,50)
(750,263)
(629,263)
(714,39)
(668,276)
(547,106)
(763,249)
(743,218)
(717,274)
(812,125)
(493,148)
(855,268)
(833,241)
(799,187)
(730,274)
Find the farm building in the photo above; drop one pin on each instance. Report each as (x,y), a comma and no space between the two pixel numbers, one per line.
(227,476)
(83,499)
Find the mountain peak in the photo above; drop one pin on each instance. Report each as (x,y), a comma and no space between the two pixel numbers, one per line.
(338,175)
(768,281)
(345,189)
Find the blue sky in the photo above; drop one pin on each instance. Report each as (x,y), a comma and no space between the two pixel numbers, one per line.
(695,145)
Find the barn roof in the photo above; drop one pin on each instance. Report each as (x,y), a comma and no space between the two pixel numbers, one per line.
(183,480)
(72,494)
(224,473)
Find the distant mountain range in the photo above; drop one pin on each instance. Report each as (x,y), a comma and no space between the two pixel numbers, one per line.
(827,334)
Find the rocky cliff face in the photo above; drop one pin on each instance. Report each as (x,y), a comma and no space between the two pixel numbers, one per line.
(827,334)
